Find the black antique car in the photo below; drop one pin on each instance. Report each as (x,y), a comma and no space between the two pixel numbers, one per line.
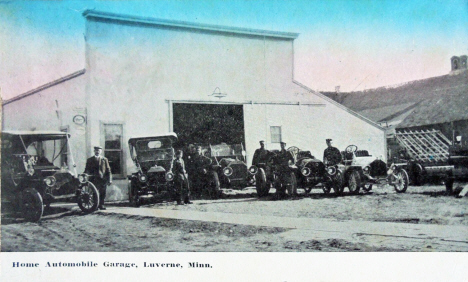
(35,173)
(312,173)
(229,161)
(153,156)
(458,160)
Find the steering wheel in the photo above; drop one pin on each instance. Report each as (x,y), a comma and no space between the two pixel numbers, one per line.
(351,149)
(294,151)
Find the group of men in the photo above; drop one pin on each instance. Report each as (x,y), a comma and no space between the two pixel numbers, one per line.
(195,175)
(284,160)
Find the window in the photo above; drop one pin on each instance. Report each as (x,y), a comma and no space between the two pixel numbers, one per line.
(275,132)
(113,150)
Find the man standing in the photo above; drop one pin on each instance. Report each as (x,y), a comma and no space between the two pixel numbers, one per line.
(199,167)
(284,162)
(260,155)
(331,155)
(182,191)
(98,168)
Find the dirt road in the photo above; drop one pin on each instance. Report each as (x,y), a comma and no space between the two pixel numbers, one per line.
(66,229)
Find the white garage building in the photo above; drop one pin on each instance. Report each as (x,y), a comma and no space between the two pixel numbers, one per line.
(147,76)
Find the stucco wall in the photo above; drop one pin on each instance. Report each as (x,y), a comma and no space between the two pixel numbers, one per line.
(52,109)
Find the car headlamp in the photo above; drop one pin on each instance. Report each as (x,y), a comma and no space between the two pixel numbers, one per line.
(305,171)
(253,170)
(83,178)
(331,170)
(227,171)
(169,176)
(50,181)
(142,178)
(366,169)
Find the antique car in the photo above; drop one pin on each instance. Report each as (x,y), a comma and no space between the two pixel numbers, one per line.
(458,160)
(362,170)
(229,160)
(35,173)
(312,173)
(153,157)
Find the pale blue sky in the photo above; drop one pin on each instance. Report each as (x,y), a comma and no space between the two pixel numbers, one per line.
(354,44)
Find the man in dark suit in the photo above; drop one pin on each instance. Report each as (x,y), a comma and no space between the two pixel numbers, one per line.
(260,155)
(331,155)
(98,168)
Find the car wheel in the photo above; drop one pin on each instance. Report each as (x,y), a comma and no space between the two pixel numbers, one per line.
(367,187)
(133,197)
(215,185)
(88,199)
(31,205)
(292,191)
(263,188)
(354,182)
(402,181)
(338,183)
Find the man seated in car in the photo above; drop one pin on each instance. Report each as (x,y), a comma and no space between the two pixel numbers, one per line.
(331,155)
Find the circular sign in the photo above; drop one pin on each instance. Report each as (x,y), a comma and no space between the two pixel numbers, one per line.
(79,119)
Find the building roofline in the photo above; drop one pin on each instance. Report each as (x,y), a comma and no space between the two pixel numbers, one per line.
(339,105)
(189,25)
(43,87)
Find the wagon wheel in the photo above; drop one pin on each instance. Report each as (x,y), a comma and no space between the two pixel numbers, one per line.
(401,181)
(338,183)
(88,199)
(263,187)
(354,182)
(31,205)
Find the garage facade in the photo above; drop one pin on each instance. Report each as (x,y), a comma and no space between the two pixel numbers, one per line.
(140,72)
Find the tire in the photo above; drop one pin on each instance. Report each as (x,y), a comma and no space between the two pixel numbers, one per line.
(263,189)
(338,183)
(449,185)
(401,187)
(88,199)
(354,182)
(292,191)
(367,187)
(32,206)
(133,197)
(215,185)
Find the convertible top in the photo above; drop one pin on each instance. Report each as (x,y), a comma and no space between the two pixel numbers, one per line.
(171,135)
(36,135)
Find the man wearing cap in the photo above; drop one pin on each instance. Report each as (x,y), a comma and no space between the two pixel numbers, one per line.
(331,155)
(199,168)
(98,168)
(260,155)
(284,161)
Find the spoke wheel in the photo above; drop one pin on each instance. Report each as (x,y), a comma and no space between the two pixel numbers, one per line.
(32,205)
(263,187)
(401,181)
(88,199)
(338,183)
(354,182)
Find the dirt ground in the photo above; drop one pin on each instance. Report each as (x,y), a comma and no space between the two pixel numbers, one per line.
(65,228)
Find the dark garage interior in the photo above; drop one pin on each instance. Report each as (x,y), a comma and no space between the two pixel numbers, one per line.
(208,123)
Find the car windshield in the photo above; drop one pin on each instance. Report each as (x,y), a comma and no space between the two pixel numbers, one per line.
(153,150)
(38,150)
(225,150)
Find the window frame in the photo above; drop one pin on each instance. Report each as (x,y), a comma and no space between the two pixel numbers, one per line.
(273,140)
(102,132)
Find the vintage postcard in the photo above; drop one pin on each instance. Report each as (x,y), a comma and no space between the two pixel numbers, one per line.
(223,139)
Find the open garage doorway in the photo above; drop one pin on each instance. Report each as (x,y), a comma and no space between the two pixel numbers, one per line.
(208,123)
